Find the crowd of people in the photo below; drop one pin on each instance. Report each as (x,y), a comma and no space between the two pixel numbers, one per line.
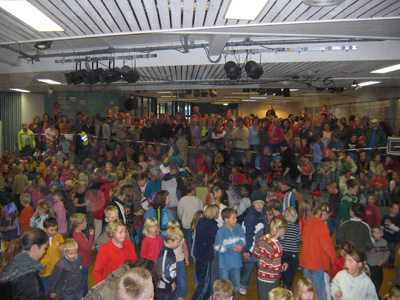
(230,194)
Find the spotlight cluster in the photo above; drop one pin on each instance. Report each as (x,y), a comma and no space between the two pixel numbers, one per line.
(104,76)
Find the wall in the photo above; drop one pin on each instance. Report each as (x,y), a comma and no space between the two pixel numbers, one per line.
(282,109)
(32,105)
(96,102)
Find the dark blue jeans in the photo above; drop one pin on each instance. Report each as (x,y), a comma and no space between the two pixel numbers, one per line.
(71,296)
(181,279)
(85,271)
(333,225)
(203,273)
(292,258)
(246,272)
(188,240)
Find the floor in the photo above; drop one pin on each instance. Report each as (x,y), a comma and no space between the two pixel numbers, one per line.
(389,273)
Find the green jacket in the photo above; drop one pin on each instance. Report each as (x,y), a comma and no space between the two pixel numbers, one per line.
(380,138)
(344,208)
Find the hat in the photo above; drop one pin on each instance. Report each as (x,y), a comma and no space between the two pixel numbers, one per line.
(238,179)
(362,138)
(315,193)
(277,157)
(54,184)
(155,170)
(88,161)
(258,196)
(327,150)
(263,181)
(9,209)
(200,160)
(267,147)
(374,121)
(177,159)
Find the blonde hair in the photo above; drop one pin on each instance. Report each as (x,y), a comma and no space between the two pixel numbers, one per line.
(83,177)
(70,183)
(173,234)
(173,224)
(305,209)
(304,282)
(118,191)
(290,214)
(223,289)
(135,284)
(211,211)
(280,293)
(113,226)
(80,183)
(110,209)
(47,208)
(320,208)
(196,217)
(217,194)
(276,225)
(25,197)
(150,222)
(111,177)
(69,244)
(76,219)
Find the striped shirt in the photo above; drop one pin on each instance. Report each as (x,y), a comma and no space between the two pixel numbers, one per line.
(290,241)
(269,251)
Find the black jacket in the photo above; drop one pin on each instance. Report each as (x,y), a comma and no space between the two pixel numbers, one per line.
(21,279)
(66,276)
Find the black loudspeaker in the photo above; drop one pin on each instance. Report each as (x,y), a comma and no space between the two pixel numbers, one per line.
(131,103)
(393,142)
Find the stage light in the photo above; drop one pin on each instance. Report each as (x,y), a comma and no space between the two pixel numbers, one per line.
(43,45)
(254,71)
(110,75)
(232,70)
(74,77)
(129,75)
(92,76)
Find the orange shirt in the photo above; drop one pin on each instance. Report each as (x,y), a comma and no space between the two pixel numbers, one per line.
(25,218)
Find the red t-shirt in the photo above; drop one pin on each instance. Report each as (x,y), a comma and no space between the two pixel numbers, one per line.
(151,247)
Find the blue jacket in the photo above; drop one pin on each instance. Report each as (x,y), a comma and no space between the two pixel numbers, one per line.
(225,243)
(206,231)
(253,223)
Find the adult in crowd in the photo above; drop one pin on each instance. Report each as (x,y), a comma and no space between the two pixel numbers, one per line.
(36,128)
(275,135)
(342,130)
(241,138)
(20,267)
(26,141)
(270,112)
(288,131)
(376,137)
(289,163)
(218,134)
(318,250)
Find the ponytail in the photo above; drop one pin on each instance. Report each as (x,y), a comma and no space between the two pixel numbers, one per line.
(13,249)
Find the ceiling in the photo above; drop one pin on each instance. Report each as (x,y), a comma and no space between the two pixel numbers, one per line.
(184,44)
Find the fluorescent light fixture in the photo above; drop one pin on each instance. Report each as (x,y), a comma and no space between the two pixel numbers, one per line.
(20,90)
(245,9)
(49,81)
(263,98)
(249,100)
(322,3)
(225,104)
(294,90)
(365,83)
(30,15)
(387,69)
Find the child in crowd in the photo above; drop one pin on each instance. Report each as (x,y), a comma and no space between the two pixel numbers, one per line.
(26,213)
(229,243)
(334,200)
(152,242)
(277,169)
(326,169)
(79,224)
(280,293)
(223,290)
(379,187)
(166,289)
(135,284)
(378,256)
(52,255)
(356,231)
(244,202)
(66,276)
(338,265)
(305,290)
(254,225)
(266,162)
(9,223)
(201,186)
(291,250)
(305,213)
(111,214)
(115,252)
(290,198)
(182,260)
(59,209)
(348,199)
(394,293)
(353,282)
(276,208)
(372,214)
(80,201)
(206,231)
(365,186)
(216,193)
(197,216)
(391,224)
(187,207)
(307,170)
(270,251)
(42,213)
